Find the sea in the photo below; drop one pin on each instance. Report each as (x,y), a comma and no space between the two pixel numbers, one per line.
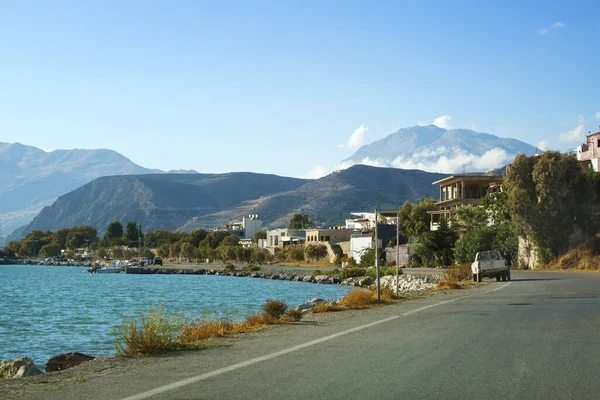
(49,310)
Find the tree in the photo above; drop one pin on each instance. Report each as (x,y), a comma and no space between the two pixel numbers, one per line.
(496,206)
(50,250)
(230,240)
(469,244)
(414,220)
(315,252)
(196,237)
(300,221)
(80,235)
(114,230)
(214,239)
(133,234)
(548,198)
(187,250)
(60,237)
(437,246)
(164,250)
(468,219)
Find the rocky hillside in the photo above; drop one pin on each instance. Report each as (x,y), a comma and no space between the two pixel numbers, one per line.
(358,188)
(156,201)
(33,178)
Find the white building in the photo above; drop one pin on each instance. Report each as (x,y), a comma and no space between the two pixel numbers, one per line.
(280,238)
(247,228)
(359,242)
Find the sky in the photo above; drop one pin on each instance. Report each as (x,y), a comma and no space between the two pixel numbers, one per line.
(291,88)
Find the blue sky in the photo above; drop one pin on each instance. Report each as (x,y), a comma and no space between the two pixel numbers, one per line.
(280,87)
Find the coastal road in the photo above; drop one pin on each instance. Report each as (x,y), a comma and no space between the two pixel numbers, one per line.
(536,337)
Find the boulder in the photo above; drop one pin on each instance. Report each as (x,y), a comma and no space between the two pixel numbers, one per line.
(309,305)
(28,370)
(9,368)
(365,281)
(64,361)
(322,279)
(308,278)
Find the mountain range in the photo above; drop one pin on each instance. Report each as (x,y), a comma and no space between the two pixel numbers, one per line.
(116,188)
(434,149)
(187,202)
(33,178)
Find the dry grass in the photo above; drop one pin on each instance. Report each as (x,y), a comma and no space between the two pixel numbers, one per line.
(455,278)
(326,306)
(156,331)
(585,257)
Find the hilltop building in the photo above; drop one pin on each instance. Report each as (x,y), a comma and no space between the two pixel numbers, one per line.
(460,190)
(589,152)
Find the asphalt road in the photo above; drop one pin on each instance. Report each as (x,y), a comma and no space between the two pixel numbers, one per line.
(536,337)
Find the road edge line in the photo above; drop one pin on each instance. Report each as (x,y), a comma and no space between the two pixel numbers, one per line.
(220,371)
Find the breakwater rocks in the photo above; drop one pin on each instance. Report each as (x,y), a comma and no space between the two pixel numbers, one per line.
(24,366)
(405,282)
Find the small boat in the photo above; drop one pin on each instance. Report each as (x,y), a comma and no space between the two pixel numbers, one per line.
(114,268)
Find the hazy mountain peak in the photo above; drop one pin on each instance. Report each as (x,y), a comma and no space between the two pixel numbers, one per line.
(434,149)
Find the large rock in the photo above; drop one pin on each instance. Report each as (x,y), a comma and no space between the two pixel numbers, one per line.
(323,279)
(28,370)
(9,368)
(308,278)
(309,305)
(64,361)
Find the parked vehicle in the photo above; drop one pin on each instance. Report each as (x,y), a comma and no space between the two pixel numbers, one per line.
(490,264)
(158,261)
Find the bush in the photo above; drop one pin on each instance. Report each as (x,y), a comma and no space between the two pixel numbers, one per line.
(153,332)
(230,267)
(293,315)
(352,272)
(360,298)
(274,309)
(251,268)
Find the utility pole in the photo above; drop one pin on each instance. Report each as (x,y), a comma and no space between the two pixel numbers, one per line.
(377,253)
(397,248)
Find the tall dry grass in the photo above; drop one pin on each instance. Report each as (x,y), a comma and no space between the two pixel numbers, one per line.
(455,278)
(156,331)
(585,257)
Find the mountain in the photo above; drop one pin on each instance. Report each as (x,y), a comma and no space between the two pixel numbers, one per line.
(156,201)
(435,149)
(33,178)
(187,202)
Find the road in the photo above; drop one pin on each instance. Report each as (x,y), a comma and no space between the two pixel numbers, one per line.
(533,338)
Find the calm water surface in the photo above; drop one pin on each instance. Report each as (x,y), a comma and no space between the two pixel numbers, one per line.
(46,311)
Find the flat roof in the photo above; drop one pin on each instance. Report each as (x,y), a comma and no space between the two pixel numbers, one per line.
(458,178)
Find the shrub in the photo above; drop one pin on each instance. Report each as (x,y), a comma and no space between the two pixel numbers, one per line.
(360,298)
(153,332)
(352,272)
(230,267)
(293,315)
(274,309)
(326,306)
(251,268)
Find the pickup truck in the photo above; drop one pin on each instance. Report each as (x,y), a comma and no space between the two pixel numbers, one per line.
(490,264)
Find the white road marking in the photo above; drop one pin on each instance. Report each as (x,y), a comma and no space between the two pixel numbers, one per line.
(220,371)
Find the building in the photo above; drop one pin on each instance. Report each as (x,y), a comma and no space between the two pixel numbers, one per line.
(280,238)
(590,151)
(331,235)
(460,190)
(365,221)
(246,228)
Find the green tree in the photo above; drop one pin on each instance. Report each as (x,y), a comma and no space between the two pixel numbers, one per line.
(300,221)
(79,236)
(114,230)
(414,219)
(214,239)
(133,233)
(60,237)
(187,250)
(437,246)
(315,252)
(469,244)
(548,197)
(468,219)
(164,250)
(496,206)
(50,250)
(196,237)
(230,240)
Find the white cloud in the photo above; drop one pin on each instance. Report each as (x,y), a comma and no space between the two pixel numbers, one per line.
(581,119)
(556,25)
(574,135)
(597,115)
(357,139)
(443,122)
(543,145)
(48,150)
(454,160)
(316,173)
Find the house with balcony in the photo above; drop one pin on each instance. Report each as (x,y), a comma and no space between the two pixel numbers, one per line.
(588,153)
(460,190)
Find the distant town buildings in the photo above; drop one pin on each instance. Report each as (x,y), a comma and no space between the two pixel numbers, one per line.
(246,228)
(588,153)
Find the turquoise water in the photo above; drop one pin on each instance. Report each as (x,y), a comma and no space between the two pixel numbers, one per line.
(46,311)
